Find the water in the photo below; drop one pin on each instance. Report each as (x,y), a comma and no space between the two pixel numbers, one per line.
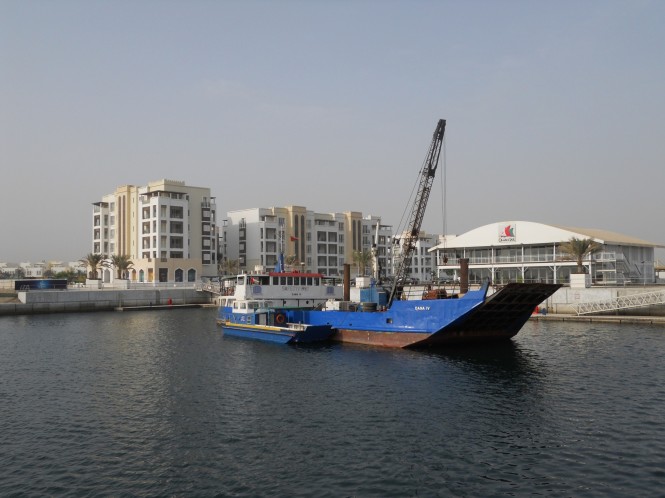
(161,403)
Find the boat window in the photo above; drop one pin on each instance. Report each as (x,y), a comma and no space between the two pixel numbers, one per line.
(316,281)
(296,280)
(289,280)
(243,306)
(282,280)
(275,280)
(309,280)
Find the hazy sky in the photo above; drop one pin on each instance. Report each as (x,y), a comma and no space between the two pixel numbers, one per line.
(554,110)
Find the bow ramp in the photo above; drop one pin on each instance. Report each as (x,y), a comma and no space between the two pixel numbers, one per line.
(640,300)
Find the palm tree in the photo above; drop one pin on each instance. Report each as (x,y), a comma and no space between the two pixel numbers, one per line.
(362,259)
(48,270)
(121,263)
(229,266)
(578,249)
(94,261)
(292,261)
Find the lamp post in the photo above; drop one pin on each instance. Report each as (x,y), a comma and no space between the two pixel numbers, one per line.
(644,272)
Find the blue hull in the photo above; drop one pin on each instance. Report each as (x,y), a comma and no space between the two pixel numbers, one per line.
(472,318)
(432,323)
(423,317)
(309,334)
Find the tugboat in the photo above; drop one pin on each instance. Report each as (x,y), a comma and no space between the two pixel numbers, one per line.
(260,301)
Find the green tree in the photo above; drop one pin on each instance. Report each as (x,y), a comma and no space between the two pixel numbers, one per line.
(94,261)
(362,259)
(229,267)
(122,264)
(48,270)
(578,249)
(292,261)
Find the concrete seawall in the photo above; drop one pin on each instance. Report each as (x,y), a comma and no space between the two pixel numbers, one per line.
(53,301)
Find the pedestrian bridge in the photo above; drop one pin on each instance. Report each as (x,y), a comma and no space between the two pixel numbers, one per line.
(211,287)
(621,303)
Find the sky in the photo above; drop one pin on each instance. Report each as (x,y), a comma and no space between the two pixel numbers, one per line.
(554,110)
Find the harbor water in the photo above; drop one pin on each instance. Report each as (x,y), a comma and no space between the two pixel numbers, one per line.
(160,403)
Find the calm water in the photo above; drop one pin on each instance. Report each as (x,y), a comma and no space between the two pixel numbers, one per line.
(161,403)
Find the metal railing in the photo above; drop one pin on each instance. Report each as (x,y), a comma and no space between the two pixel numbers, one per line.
(621,302)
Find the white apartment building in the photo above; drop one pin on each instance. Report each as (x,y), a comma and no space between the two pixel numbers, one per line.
(33,270)
(168,230)
(41,269)
(422,266)
(309,241)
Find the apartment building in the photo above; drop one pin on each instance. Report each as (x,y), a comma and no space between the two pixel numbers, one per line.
(168,230)
(422,265)
(309,241)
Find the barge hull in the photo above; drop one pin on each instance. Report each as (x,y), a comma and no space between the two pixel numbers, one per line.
(499,318)
(383,339)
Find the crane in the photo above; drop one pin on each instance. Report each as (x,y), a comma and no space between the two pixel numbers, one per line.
(418,210)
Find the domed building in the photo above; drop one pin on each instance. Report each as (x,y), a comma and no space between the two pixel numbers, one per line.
(525,251)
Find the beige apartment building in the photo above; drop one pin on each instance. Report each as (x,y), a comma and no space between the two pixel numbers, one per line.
(168,230)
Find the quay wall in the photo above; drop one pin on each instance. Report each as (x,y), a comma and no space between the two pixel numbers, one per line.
(54,301)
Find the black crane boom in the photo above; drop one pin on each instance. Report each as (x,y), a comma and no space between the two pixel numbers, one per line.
(419,206)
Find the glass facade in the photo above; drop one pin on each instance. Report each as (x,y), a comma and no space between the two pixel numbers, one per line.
(613,265)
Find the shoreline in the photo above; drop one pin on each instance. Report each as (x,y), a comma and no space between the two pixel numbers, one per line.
(81,300)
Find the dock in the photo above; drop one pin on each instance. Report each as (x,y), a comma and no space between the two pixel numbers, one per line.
(159,307)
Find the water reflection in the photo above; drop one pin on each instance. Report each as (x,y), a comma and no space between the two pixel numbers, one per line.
(503,360)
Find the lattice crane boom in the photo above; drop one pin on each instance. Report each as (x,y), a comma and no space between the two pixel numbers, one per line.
(419,206)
